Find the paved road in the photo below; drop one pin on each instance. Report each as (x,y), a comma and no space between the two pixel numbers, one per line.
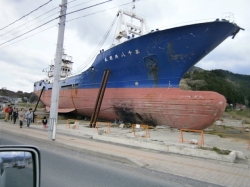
(64,167)
(19,177)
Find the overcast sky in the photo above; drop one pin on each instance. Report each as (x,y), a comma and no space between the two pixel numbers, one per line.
(22,62)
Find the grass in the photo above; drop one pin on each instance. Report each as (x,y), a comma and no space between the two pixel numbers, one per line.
(29,105)
(221,152)
(240,115)
(217,150)
(220,135)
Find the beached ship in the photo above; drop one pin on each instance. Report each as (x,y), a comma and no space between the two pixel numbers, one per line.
(145,72)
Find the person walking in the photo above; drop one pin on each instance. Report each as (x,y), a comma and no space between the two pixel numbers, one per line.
(44,122)
(11,113)
(15,115)
(7,113)
(21,116)
(29,116)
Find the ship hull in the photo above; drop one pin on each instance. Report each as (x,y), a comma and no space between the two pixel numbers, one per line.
(156,106)
(145,72)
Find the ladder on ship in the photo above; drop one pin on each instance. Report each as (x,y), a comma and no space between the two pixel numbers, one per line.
(39,98)
(99,98)
(37,103)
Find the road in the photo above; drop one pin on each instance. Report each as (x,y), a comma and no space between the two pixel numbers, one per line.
(19,177)
(63,167)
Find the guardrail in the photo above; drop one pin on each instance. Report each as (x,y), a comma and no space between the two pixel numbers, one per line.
(103,123)
(181,139)
(75,124)
(142,127)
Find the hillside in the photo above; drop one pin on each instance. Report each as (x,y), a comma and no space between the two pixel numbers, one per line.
(14,95)
(235,87)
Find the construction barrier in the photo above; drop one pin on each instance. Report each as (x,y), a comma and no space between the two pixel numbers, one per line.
(38,119)
(181,139)
(142,127)
(103,123)
(73,122)
(249,140)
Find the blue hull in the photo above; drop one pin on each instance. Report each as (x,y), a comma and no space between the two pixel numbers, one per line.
(158,59)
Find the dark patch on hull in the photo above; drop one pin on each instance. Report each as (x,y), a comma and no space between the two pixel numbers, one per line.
(151,62)
(128,115)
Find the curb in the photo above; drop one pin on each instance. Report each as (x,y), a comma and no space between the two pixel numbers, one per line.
(189,150)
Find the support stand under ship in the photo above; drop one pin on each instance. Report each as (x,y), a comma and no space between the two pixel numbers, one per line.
(145,71)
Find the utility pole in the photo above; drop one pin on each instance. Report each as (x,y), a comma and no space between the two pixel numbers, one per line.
(57,72)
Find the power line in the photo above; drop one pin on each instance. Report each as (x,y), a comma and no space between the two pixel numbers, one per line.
(98,12)
(25,27)
(79,4)
(35,19)
(87,7)
(29,31)
(30,36)
(26,15)
(69,21)
(94,53)
(55,19)
(35,23)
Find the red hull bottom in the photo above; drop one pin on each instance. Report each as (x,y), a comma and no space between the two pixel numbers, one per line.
(153,106)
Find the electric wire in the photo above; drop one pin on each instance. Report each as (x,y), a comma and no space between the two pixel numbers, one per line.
(96,50)
(29,31)
(35,19)
(79,4)
(25,15)
(54,19)
(87,7)
(29,36)
(69,21)
(94,53)
(25,27)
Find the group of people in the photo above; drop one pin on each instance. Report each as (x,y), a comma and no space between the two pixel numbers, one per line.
(13,114)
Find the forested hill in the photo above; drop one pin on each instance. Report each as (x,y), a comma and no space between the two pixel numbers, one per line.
(235,87)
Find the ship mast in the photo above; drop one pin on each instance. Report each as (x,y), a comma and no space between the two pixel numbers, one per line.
(126,28)
(57,68)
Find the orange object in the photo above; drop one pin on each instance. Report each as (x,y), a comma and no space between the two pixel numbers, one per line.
(141,126)
(38,119)
(74,125)
(181,139)
(103,123)
(248,144)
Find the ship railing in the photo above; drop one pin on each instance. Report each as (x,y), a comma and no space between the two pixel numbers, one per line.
(224,18)
(228,16)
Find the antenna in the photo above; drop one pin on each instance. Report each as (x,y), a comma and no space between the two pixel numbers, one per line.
(133,11)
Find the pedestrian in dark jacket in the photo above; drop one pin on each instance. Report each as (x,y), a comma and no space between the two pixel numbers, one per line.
(44,122)
(15,115)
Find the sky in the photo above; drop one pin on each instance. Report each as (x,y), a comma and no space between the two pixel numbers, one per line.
(23,59)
